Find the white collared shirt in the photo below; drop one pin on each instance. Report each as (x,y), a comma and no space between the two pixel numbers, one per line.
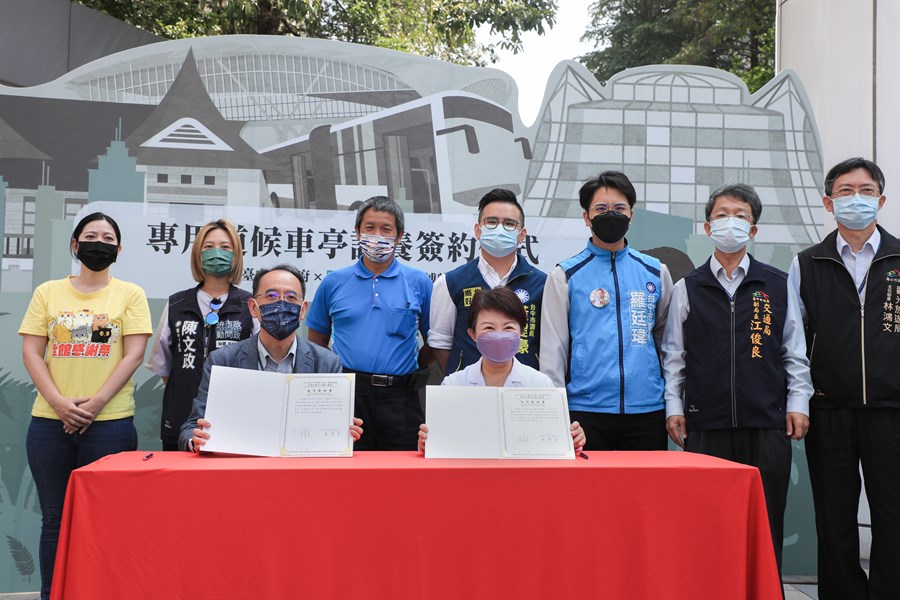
(733,281)
(856,263)
(793,342)
(286,365)
(443,310)
(519,376)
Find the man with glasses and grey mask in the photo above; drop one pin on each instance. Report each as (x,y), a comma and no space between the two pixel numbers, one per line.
(278,303)
(737,377)
(500,231)
(849,286)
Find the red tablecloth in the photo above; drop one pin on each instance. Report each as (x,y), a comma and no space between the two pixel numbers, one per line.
(635,525)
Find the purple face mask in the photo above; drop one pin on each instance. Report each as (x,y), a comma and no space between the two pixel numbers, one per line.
(498,346)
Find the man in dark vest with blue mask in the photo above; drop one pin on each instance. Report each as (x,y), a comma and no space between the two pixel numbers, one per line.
(500,230)
(737,377)
(849,286)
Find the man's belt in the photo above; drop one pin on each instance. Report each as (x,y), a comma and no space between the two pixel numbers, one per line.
(378,380)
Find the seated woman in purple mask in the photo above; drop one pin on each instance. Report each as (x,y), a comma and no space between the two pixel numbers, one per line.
(496,320)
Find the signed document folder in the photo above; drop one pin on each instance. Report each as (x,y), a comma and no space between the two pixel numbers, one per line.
(491,422)
(279,414)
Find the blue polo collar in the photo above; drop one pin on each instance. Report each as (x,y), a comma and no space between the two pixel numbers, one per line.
(361,271)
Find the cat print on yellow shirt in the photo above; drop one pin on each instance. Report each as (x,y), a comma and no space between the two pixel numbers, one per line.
(82,334)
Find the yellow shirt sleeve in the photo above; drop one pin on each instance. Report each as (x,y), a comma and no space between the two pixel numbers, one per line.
(35,320)
(84,339)
(137,313)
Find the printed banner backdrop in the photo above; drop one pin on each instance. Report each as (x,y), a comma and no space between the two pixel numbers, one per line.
(285,137)
(158,240)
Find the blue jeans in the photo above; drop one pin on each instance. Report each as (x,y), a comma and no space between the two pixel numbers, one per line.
(52,455)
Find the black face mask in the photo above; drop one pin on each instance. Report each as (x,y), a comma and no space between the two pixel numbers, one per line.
(610,227)
(97,256)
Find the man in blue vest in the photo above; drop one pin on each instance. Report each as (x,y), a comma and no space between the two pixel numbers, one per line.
(849,287)
(375,307)
(500,230)
(602,319)
(737,377)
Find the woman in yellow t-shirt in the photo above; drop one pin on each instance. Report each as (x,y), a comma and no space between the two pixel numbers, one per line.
(83,338)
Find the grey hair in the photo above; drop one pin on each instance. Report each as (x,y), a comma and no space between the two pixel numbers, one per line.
(381,204)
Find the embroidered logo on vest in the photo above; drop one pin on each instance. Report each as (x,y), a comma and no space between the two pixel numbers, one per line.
(760,324)
(890,318)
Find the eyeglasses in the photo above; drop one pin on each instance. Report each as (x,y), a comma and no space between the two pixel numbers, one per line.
(620,208)
(493,222)
(867,190)
(273,296)
(740,216)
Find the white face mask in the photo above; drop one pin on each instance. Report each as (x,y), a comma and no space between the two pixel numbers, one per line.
(730,234)
(498,241)
(855,212)
(377,248)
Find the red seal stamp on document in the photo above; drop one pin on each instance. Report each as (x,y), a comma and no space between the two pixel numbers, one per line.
(600,298)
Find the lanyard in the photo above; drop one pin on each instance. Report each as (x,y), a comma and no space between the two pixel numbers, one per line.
(210,321)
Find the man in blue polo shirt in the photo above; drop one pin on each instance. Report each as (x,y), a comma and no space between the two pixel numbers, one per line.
(500,230)
(374,309)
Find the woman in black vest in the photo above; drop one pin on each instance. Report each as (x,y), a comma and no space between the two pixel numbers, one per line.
(198,320)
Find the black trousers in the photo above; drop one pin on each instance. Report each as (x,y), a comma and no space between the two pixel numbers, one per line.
(605,431)
(391,417)
(839,440)
(769,450)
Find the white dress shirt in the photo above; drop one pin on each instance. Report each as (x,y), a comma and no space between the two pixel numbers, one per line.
(267,363)
(520,376)
(793,348)
(443,310)
(856,263)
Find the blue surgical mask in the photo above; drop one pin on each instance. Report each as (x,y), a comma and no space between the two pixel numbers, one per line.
(499,242)
(279,319)
(730,234)
(855,212)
